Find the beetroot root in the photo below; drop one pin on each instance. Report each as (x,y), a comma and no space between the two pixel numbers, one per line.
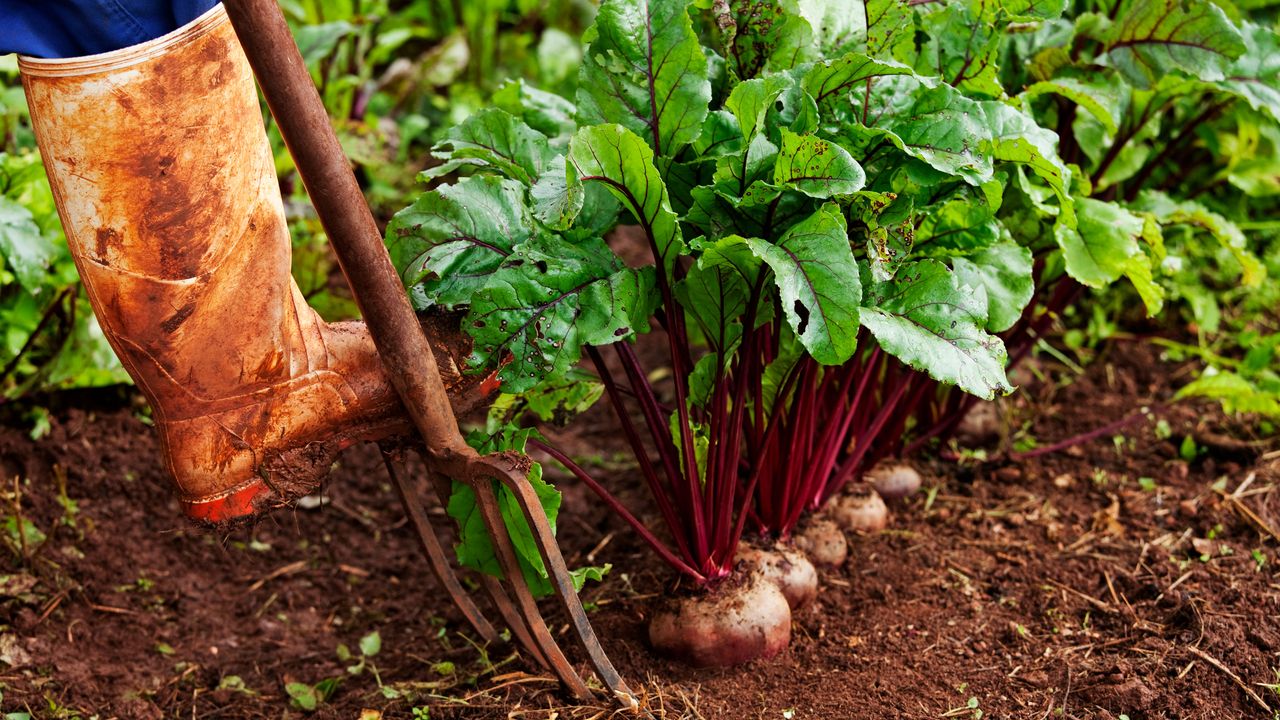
(785,567)
(894,482)
(824,542)
(980,426)
(861,511)
(746,618)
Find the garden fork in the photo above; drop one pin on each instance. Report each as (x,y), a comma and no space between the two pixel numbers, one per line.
(411,367)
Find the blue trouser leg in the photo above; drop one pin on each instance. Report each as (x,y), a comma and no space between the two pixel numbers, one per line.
(69,28)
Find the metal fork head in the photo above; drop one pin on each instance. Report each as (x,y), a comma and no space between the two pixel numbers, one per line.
(510,595)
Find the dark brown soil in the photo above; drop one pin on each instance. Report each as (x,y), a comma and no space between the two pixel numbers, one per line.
(1113,578)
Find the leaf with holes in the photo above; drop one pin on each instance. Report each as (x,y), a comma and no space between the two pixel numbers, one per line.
(818,283)
(816,167)
(447,243)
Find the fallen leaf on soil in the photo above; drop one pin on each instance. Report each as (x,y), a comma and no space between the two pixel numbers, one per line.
(12,653)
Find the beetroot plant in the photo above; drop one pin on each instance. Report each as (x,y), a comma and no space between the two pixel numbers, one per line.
(777,173)
(1167,114)
(843,208)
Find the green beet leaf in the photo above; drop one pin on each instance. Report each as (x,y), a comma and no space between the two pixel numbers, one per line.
(928,318)
(832,81)
(474,547)
(1255,75)
(545,112)
(495,140)
(818,283)
(1105,246)
(546,301)
(1191,213)
(890,32)
(1103,100)
(26,250)
(645,70)
(1106,241)
(717,289)
(450,240)
(816,167)
(619,160)
(751,101)
(1156,37)
(1004,270)
(765,36)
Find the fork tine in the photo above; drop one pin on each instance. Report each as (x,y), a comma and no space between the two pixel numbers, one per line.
(440,566)
(562,580)
(510,616)
(487,501)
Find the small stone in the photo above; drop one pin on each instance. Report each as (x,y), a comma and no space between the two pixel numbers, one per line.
(1064,481)
(1204,546)
(1009,473)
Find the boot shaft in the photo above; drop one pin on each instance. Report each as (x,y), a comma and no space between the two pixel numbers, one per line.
(167,190)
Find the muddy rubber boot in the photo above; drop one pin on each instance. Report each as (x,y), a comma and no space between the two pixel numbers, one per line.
(165,183)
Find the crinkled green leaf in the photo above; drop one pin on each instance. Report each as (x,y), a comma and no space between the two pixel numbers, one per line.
(497,141)
(1189,212)
(1156,37)
(1099,98)
(645,70)
(1105,246)
(929,319)
(1005,271)
(1255,75)
(24,249)
(766,36)
(818,282)
(547,300)
(620,161)
(833,80)
(964,137)
(717,289)
(1106,240)
(1016,138)
(448,243)
(545,112)
(816,167)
